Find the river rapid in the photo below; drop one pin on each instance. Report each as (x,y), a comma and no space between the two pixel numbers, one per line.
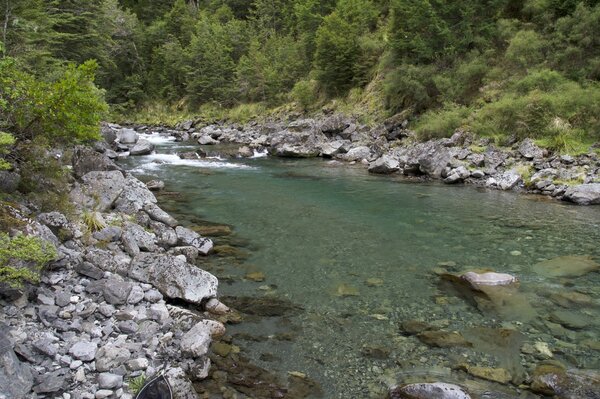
(356,261)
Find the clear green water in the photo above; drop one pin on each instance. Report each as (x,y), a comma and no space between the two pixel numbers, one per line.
(317,229)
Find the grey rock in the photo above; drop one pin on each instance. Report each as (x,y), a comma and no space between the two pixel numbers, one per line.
(127,136)
(181,385)
(116,292)
(153,296)
(108,132)
(196,341)
(142,147)
(477,174)
(106,310)
(134,197)
(51,382)
(583,194)
(138,364)
(190,253)
(173,277)
(508,180)
(89,270)
(434,160)
(128,327)
(384,165)
(16,379)
(529,150)
(9,181)
(103,394)
(46,347)
(165,236)
(110,381)
(99,190)
(108,234)
(135,236)
(110,356)
(84,350)
(328,150)
(62,298)
(334,124)
(207,140)
(159,312)
(457,175)
(245,152)
(136,295)
(187,237)
(357,154)
(54,220)
(295,151)
(159,215)
(86,159)
(155,185)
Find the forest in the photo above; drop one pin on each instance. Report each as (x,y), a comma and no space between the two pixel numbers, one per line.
(505,69)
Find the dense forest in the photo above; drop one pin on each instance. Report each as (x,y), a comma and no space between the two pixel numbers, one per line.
(502,68)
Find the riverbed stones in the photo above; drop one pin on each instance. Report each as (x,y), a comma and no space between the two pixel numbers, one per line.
(432,390)
(499,375)
(584,194)
(570,319)
(443,339)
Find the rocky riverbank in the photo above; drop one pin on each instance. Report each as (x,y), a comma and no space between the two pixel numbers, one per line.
(391,148)
(109,308)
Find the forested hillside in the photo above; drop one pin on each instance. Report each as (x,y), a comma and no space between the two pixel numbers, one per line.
(502,68)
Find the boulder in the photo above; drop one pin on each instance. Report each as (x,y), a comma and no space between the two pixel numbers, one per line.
(328,150)
(16,379)
(174,277)
(357,154)
(296,151)
(134,196)
(245,152)
(529,150)
(584,194)
(142,147)
(84,350)
(508,180)
(86,159)
(334,124)
(99,190)
(108,132)
(566,266)
(9,181)
(159,215)
(127,136)
(434,161)
(457,175)
(196,341)
(489,278)
(553,379)
(433,390)
(384,165)
(207,140)
(187,237)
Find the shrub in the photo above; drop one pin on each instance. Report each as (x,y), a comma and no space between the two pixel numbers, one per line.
(441,123)
(22,258)
(525,49)
(304,93)
(410,86)
(6,140)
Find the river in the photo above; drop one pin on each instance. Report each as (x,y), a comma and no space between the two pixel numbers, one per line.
(361,254)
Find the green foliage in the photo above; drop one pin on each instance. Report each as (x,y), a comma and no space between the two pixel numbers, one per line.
(93,221)
(304,94)
(525,49)
(137,383)
(410,86)
(6,141)
(22,257)
(67,109)
(441,123)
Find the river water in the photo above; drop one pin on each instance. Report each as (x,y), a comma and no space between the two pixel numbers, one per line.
(361,254)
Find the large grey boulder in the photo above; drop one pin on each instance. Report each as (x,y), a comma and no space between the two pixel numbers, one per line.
(357,154)
(457,175)
(584,194)
(86,159)
(508,180)
(159,215)
(98,190)
(296,151)
(16,379)
(174,277)
(434,161)
(384,165)
(142,147)
(334,124)
(135,238)
(134,196)
(127,136)
(207,140)
(529,150)
(196,341)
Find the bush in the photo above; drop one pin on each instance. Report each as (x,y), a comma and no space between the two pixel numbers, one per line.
(441,123)
(22,258)
(304,93)
(66,110)
(525,49)
(410,86)
(6,140)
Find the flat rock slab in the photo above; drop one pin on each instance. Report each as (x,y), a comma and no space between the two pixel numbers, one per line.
(584,194)
(567,266)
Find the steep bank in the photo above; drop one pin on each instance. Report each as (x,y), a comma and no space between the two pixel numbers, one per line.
(391,148)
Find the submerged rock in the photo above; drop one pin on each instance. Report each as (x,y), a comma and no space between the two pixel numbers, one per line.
(489,278)
(443,339)
(142,147)
(567,266)
(433,390)
(553,379)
